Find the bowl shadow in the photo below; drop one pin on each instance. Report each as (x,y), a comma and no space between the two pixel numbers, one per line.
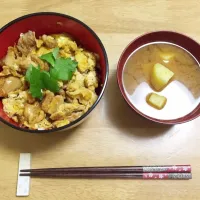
(18,141)
(126,119)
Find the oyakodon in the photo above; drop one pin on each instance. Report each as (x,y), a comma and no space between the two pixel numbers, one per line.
(36,104)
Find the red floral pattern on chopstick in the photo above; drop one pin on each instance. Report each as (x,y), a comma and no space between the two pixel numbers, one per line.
(167,175)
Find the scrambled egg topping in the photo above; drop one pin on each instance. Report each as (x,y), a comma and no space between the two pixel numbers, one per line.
(54,110)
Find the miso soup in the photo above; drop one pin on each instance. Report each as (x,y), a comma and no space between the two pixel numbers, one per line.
(182,92)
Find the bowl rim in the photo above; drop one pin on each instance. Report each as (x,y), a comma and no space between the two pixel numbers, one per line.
(77,121)
(180,120)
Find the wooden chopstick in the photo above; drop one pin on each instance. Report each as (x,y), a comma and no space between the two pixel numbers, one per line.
(180,176)
(118,169)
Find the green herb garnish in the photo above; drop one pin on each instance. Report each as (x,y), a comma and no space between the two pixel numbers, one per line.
(34,77)
(51,57)
(28,73)
(49,82)
(63,69)
(55,52)
(48,58)
(60,69)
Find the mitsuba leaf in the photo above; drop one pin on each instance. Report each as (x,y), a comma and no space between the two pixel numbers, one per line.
(63,69)
(49,82)
(48,58)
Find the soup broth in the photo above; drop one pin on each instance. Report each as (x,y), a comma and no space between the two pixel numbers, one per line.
(183,91)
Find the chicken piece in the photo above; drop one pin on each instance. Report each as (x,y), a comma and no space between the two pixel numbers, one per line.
(42,125)
(83,95)
(16,63)
(43,65)
(65,110)
(65,41)
(49,41)
(76,82)
(24,62)
(26,43)
(51,103)
(8,71)
(33,113)
(17,53)
(10,84)
(43,50)
(91,80)
(86,60)
(61,123)
(10,59)
(47,100)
